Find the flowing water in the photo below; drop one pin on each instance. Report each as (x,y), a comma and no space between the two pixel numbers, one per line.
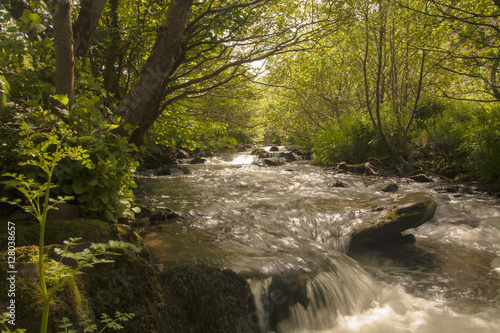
(286,229)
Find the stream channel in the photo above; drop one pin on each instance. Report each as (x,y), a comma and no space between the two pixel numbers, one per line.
(286,224)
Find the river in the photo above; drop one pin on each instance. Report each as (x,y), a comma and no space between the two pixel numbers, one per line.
(286,226)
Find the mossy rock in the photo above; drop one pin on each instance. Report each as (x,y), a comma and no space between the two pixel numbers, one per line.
(212,300)
(68,301)
(401,213)
(189,298)
(57,231)
(192,298)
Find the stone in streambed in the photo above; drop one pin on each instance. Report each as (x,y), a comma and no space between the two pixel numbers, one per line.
(404,212)
(392,187)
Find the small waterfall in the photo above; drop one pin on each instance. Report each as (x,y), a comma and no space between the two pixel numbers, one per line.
(297,300)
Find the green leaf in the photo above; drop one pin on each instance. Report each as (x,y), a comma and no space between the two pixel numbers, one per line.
(63,99)
(78,188)
(111,127)
(85,138)
(35,18)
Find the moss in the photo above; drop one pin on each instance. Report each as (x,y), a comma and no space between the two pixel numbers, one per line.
(28,301)
(126,234)
(192,298)
(25,254)
(69,302)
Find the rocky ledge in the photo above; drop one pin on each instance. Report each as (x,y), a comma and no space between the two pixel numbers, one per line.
(181,298)
(391,217)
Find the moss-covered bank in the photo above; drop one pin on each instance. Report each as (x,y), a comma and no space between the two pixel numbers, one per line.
(189,298)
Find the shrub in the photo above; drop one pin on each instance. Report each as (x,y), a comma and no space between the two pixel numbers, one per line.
(103,186)
(482,143)
(353,140)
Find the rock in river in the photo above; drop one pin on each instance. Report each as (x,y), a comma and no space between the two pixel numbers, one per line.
(403,212)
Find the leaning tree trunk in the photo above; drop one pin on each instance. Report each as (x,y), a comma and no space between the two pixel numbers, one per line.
(141,105)
(86,24)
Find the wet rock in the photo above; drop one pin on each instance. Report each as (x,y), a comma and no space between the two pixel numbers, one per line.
(197,160)
(274,148)
(158,215)
(188,298)
(284,291)
(457,189)
(338,183)
(305,155)
(288,157)
(421,178)
(207,154)
(241,149)
(272,162)
(403,213)
(390,188)
(171,170)
(266,154)
(182,154)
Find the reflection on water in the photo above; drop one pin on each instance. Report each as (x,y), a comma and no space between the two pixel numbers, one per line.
(269,222)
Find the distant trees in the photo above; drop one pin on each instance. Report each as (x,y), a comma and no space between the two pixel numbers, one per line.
(378,66)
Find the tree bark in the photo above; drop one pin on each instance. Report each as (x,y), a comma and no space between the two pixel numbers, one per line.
(63,43)
(141,105)
(86,25)
(497,2)
(376,119)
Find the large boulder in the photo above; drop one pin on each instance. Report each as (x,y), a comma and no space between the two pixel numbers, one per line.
(402,212)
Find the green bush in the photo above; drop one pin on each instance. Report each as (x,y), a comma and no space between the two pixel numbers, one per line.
(103,186)
(353,140)
(441,129)
(482,143)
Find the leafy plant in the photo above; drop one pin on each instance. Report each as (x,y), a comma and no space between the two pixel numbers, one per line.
(90,326)
(482,144)
(352,140)
(44,151)
(5,318)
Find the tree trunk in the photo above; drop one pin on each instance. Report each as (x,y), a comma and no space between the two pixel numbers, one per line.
(497,2)
(141,105)
(63,42)
(376,119)
(86,25)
